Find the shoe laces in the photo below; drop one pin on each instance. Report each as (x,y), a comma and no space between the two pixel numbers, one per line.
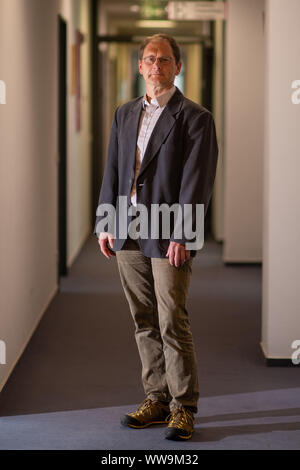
(179,417)
(146,404)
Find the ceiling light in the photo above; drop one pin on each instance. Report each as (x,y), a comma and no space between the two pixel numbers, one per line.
(156,24)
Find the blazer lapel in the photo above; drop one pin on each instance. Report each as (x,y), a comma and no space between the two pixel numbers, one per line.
(162,129)
(131,132)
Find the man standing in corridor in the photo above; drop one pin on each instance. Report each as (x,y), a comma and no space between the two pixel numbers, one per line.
(162,150)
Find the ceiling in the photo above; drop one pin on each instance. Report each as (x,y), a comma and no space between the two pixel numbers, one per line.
(133,18)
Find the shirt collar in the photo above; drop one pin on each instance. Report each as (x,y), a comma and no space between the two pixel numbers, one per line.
(160,100)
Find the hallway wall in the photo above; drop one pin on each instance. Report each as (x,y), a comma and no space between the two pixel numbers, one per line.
(28,149)
(244,118)
(281,249)
(77,12)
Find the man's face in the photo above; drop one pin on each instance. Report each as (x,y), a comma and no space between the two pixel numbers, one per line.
(162,72)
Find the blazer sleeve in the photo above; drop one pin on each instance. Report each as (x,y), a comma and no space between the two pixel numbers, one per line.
(198,174)
(109,187)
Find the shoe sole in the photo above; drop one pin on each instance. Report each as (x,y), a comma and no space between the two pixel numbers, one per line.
(142,426)
(177,437)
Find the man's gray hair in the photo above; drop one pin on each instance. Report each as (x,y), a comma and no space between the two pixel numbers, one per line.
(159,37)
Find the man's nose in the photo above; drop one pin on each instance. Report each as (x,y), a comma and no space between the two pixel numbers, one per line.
(157,62)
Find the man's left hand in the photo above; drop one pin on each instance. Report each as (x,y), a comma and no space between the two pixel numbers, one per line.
(177,254)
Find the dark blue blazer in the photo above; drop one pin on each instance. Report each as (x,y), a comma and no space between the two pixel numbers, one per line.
(179,163)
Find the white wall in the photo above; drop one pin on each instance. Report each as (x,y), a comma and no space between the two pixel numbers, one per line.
(244,104)
(281,240)
(76,12)
(217,201)
(28,171)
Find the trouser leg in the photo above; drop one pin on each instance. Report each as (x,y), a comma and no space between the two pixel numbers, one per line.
(138,284)
(171,288)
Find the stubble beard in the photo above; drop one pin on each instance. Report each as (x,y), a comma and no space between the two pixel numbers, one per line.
(158,87)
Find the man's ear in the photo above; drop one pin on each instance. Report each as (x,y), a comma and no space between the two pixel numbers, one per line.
(140,67)
(179,65)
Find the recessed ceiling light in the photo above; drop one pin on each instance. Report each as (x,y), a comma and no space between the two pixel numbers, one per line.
(156,24)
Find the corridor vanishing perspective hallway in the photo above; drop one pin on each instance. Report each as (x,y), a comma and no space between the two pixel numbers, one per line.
(80,371)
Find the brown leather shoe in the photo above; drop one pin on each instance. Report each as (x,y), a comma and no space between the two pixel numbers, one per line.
(149,412)
(181,424)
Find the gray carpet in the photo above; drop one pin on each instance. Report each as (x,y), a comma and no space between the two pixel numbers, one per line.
(248,421)
(81,370)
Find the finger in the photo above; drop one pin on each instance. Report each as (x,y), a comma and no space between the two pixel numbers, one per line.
(110,246)
(177,256)
(171,255)
(110,251)
(111,241)
(104,248)
(182,255)
(104,252)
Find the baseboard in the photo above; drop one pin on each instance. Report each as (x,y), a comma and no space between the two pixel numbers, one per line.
(277,361)
(242,263)
(274,362)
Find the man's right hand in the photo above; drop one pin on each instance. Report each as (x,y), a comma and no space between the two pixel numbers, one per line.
(105,237)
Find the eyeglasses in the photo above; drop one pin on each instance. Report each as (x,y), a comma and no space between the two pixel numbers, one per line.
(151,59)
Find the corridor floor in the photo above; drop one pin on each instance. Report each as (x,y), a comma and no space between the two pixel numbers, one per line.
(80,371)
